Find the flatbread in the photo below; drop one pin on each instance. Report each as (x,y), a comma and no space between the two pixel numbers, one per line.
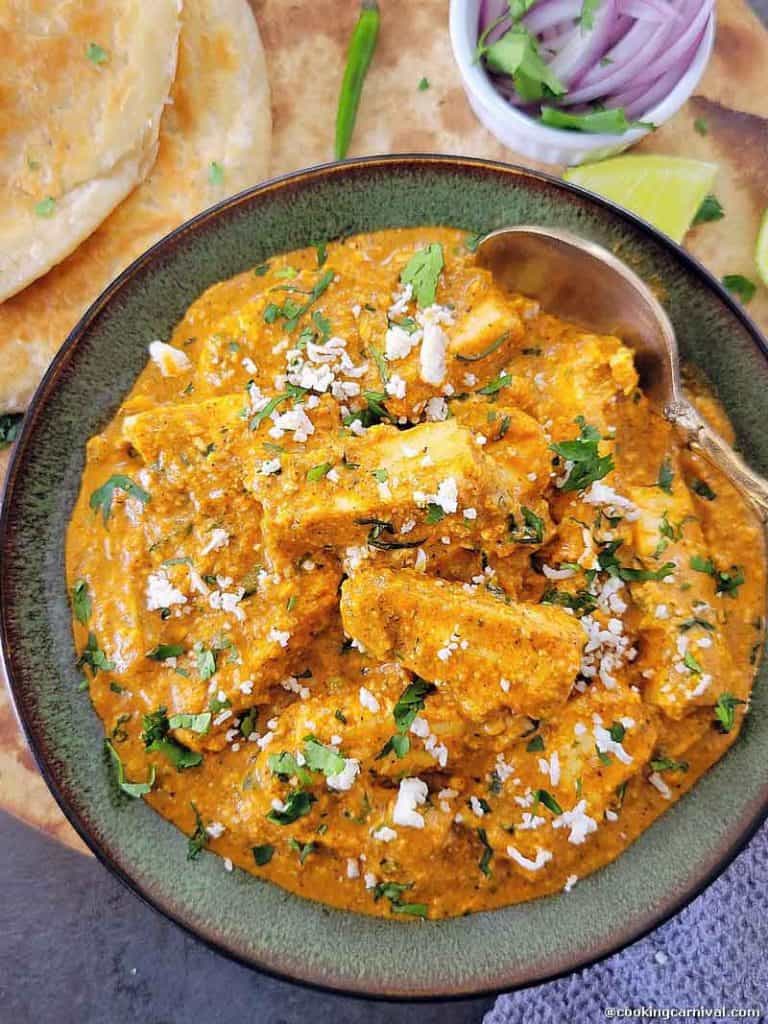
(77,132)
(219,113)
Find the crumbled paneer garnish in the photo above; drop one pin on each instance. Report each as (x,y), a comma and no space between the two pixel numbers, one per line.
(353,867)
(219,539)
(477,807)
(171,361)
(447,496)
(368,700)
(615,504)
(412,794)
(570,882)
(542,857)
(395,386)
(270,466)
(385,834)
(607,745)
(436,410)
(578,821)
(658,783)
(279,636)
(161,593)
(215,829)
(346,777)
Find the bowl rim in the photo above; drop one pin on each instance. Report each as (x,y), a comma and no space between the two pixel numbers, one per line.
(743,832)
(477,82)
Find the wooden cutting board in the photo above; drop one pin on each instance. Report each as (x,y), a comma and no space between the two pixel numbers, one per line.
(306,46)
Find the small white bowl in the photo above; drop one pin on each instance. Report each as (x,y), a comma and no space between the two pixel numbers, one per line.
(537,141)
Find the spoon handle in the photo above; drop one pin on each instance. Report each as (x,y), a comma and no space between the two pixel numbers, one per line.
(702,436)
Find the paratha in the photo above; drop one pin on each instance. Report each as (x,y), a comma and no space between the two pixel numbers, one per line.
(82,89)
(214,140)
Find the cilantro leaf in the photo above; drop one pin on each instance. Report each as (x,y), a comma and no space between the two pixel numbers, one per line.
(702,488)
(46,207)
(422,271)
(195,723)
(132,789)
(321,758)
(725,711)
(700,126)
(610,122)
(96,54)
(393,891)
(94,657)
(164,651)
(303,849)
(206,662)
(666,476)
(588,465)
(319,472)
(10,428)
(543,796)
(408,705)
(709,210)
(741,286)
(485,861)
(587,16)
(215,173)
(516,54)
(102,496)
(727,581)
(535,744)
(609,563)
(532,531)
(263,854)
(199,838)
(81,601)
(668,764)
(298,804)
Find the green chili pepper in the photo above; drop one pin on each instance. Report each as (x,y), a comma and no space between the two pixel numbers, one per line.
(361,47)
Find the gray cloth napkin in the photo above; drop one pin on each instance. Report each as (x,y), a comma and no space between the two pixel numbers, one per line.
(713,953)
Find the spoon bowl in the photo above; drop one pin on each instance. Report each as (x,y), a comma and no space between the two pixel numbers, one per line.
(582,282)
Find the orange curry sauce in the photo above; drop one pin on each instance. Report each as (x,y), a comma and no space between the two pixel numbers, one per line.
(392,589)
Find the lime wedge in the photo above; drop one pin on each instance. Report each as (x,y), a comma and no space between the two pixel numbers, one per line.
(665,190)
(761,249)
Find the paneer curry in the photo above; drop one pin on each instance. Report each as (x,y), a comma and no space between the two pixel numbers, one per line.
(393,589)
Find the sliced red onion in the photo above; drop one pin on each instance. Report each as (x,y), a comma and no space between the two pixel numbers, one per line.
(632,56)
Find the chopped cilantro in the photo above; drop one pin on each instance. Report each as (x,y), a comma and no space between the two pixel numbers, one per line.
(46,207)
(435,514)
(485,861)
(709,210)
(164,651)
(535,744)
(380,527)
(303,849)
(206,662)
(102,496)
(609,563)
(610,122)
(381,475)
(318,472)
(702,488)
(587,16)
(393,891)
(10,427)
(96,54)
(94,657)
(381,363)
(408,705)
(668,764)
(700,126)
(132,789)
(81,601)
(690,623)
(581,601)
(495,386)
(261,270)
(617,732)
(321,758)
(516,54)
(726,581)
(588,465)
(666,476)
(200,723)
(543,796)
(741,286)
(199,838)
(423,84)
(263,854)
(422,272)
(475,356)
(532,531)
(298,804)
(692,664)
(322,253)
(215,173)
(725,711)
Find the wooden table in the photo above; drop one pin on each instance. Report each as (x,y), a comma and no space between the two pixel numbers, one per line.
(306,43)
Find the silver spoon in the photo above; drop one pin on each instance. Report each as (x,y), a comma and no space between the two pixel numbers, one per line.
(580,281)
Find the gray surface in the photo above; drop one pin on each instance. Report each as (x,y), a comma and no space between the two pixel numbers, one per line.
(77,948)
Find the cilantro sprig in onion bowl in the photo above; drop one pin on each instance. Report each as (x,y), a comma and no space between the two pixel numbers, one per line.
(590,65)
(587,76)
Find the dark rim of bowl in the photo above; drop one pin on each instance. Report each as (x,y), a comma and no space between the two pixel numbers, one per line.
(629,935)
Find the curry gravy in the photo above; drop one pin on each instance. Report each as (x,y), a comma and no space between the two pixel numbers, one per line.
(392,589)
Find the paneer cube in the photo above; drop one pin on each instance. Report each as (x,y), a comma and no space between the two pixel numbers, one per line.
(432,481)
(187,430)
(487,654)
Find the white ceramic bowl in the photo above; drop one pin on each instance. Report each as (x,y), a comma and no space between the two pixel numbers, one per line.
(537,141)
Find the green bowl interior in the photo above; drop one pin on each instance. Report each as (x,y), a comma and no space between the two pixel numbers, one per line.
(244,916)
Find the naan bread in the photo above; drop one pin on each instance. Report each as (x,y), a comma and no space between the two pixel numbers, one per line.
(82,88)
(219,114)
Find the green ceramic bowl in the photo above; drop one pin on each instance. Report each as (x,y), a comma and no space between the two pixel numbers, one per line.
(245,917)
